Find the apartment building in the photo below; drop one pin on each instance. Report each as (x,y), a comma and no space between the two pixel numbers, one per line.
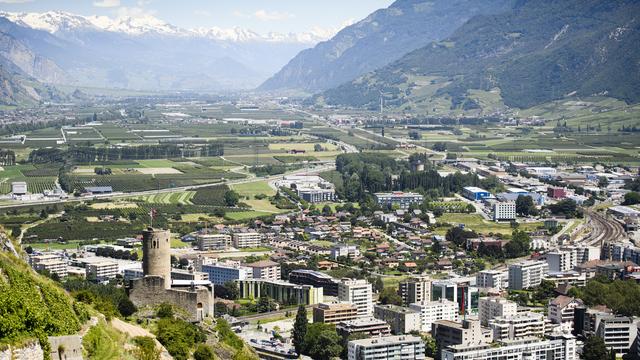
(333,313)
(242,240)
(562,311)
(390,347)
(51,263)
(517,326)
(399,199)
(492,279)
(555,347)
(415,290)
(527,274)
(358,292)
(432,311)
(101,270)
(493,307)
(561,260)
(368,326)
(207,242)
(469,332)
(265,269)
(401,319)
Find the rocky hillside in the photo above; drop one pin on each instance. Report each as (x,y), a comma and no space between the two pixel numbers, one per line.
(379,39)
(539,51)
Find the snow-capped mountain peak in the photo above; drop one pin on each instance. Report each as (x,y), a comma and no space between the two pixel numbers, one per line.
(50,21)
(61,22)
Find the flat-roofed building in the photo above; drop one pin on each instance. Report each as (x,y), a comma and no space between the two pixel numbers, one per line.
(401,319)
(358,292)
(469,332)
(527,274)
(208,242)
(368,326)
(504,211)
(493,307)
(316,279)
(221,273)
(517,326)
(390,347)
(101,270)
(242,240)
(562,311)
(53,266)
(265,269)
(555,347)
(493,279)
(432,311)
(415,289)
(398,198)
(333,313)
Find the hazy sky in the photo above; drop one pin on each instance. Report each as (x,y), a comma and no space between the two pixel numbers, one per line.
(259,15)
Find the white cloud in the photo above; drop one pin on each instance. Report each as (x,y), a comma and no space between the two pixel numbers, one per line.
(265,15)
(14,1)
(106,3)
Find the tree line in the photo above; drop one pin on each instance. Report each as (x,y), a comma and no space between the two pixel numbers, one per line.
(112,153)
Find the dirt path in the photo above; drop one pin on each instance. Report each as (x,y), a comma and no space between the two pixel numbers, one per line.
(133,331)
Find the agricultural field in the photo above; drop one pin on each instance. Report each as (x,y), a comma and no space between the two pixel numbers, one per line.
(182,197)
(248,192)
(38,178)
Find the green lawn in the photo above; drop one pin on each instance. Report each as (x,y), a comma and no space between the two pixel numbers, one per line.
(161,163)
(478,224)
(246,215)
(251,189)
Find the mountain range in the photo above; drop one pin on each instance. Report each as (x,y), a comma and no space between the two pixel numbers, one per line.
(380,38)
(142,53)
(538,51)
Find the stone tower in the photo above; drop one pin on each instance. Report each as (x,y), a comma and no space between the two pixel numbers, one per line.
(156,254)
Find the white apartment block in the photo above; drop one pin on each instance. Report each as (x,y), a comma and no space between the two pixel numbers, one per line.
(562,311)
(561,260)
(344,250)
(247,240)
(101,270)
(358,292)
(557,347)
(583,253)
(53,266)
(504,211)
(432,311)
(517,326)
(213,242)
(490,308)
(494,279)
(527,274)
(402,347)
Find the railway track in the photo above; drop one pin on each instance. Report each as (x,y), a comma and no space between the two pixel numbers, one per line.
(603,230)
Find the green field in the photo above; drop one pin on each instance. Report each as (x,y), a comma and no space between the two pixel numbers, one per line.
(182,197)
(476,223)
(246,215)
